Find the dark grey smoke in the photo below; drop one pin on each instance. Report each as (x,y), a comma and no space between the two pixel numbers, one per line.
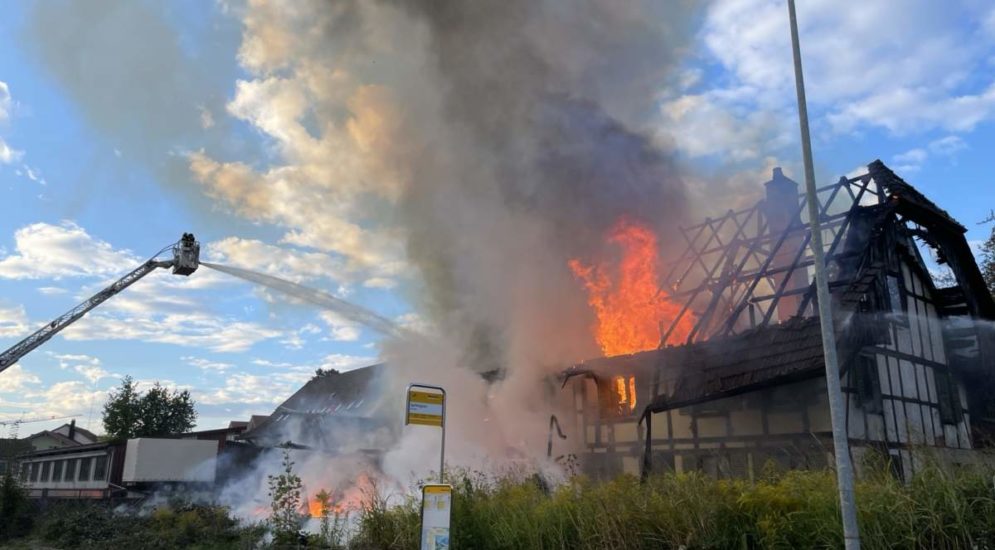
(542,150)
(317,297)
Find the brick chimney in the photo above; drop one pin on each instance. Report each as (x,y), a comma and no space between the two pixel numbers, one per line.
(72,429)
(782,209)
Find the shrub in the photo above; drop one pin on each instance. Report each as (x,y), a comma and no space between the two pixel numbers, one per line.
(94,525)
(15,509)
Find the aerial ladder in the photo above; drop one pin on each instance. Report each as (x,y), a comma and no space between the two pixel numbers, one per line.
(185,260)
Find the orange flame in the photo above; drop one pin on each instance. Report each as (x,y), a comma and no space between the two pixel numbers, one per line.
(343,502)
(631,311)
(626,393)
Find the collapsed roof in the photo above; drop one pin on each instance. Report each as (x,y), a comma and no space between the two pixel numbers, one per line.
(331,412)
(745,277)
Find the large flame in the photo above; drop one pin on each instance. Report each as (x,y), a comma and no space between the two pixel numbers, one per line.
(631,309)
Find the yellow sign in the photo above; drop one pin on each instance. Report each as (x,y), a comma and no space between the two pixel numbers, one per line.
(424,408)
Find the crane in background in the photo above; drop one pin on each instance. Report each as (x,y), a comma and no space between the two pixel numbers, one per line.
(185,260)
(16,423)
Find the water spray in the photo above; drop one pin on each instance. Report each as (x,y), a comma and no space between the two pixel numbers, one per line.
(317,297)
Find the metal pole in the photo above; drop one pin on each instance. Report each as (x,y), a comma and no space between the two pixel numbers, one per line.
(844,469)
(442,454)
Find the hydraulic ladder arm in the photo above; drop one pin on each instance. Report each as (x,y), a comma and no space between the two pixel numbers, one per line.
(186,258)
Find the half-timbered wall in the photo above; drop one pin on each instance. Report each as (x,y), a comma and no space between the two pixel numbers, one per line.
(901,395)
(732,437)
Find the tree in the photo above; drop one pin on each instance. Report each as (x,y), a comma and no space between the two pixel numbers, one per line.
(320,372)
(15,509)
(285,491)
(988,256)
(158,412)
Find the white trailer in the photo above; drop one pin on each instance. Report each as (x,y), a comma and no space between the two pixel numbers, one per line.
(154,460)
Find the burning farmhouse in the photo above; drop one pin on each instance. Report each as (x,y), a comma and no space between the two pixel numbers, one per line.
(738,377)
(713,360)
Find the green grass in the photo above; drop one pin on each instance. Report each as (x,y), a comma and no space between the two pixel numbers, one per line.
(792,510)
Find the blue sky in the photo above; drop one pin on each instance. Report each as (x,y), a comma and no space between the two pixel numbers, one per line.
(125,124)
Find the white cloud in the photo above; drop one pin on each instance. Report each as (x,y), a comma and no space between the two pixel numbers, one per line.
(51,290)
(380,282)
(934,75)
(33,175)
(88,366)
(415,323)
(66,250)
(706,124)
(249,389)
(904,110)
(190,329)
(328,130)
(287,263)
(277,385)
(13,322)
(8,155)
(206,364)
(343,363)
(93,374)
(71,397)
(911,160)
(947,145)
(15,380)
(5,101)
(340,329)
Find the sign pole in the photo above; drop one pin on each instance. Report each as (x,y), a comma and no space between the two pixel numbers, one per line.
(428,409)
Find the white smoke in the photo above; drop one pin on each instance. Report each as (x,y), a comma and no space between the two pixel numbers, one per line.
(495,141)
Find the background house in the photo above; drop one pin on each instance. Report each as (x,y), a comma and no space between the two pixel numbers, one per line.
(131,468)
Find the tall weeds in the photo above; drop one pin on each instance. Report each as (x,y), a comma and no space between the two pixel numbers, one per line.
(797,509)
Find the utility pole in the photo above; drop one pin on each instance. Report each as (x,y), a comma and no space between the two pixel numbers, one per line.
(841,446)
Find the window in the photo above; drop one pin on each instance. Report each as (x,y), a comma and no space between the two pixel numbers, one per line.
(100,468)
(57,470)
(624,389)
(46,471)
(70,472)
(84,468)
(949,396)
(894,295)
(868,384)
(35,470)
(25,468)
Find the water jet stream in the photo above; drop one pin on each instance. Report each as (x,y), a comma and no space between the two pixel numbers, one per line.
(317,297)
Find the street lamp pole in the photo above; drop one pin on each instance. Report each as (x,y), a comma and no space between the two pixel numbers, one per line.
(841,447)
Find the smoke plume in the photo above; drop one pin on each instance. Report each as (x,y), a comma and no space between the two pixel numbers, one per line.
(492,142)
(478,145)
